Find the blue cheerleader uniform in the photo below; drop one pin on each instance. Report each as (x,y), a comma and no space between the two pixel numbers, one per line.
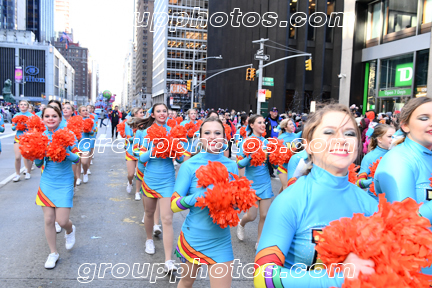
(138,147)
(288,138)
(129,143)
(287,240)
(258,174)
(94,132)
(201,241)
(190,146)
(159,173)
(56,188)
(363,177)
(2,127)
(294,162)
(86,139)
(404,172)
(19,133)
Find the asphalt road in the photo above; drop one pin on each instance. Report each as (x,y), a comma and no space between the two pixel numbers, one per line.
(109,233)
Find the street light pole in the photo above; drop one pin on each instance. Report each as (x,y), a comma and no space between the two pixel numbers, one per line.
(260,73)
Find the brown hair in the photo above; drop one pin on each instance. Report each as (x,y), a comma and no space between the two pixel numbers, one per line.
(67,103)
(379,131)
(207,120)
(54,108)
(57,102)
(143,124)
(252,120)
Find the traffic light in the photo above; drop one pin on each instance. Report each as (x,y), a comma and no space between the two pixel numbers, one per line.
(248,74)
(308,64)
(189,85)
(253,74)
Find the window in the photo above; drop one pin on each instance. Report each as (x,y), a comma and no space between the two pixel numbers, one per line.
(293,9)
(400,15)
(374,22)
(421,73)
(311,29)
(427,11)
(329,30)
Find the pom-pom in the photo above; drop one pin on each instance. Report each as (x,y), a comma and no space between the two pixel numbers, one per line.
(396,238)
(61,139)
(279,154)
(227,131)
(191,129)
(171,123)
(161,142)
(373,168)
(179,119)
(253,146)
(35,123)
(88,125)
(199,123)
(121,128)
(243,132)
(76,125)
(91,116)
(225,196)
(20,122)
(352,173)
(178,132)
(264,134)
(33,145)
(430,182)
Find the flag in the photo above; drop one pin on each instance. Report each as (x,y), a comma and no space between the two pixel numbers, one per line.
(66,38)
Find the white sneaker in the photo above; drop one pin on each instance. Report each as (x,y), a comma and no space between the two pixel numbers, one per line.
(157,230)
(33,166)
(137,196)
(52,260)
(27,177)
(170,266)
(240,232)
(78,182)
(129,187)
(70,238)
(88,172)
(142,221)
(91,162)
(25,171)
(16,178)
(85,178)
(82,170)
(58,228)
(150,248)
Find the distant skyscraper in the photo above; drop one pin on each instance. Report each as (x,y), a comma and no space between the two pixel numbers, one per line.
(7,14)
(62,23)
(40,19)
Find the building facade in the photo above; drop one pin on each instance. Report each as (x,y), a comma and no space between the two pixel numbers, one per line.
(390,53)
(174,44)
(61,18)
(144,52)
(40,19)
(13,14)
(46,73)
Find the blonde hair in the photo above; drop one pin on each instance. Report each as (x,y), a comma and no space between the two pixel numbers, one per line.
(82,106)
(379,131)
(25,101)
(284,124)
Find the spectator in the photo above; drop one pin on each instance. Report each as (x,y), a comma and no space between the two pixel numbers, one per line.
(272,122)
(115,117)
(102,118)
(233,130)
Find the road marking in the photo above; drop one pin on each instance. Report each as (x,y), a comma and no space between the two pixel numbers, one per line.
(5,181)
(8,135)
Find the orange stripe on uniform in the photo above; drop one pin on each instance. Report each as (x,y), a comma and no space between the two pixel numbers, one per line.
(149,192)
(44,199)
(130,157)
(291,181)
(192,253)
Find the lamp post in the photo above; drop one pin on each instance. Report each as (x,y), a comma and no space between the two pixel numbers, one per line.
(23,77)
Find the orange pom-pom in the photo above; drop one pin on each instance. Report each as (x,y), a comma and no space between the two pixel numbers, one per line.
(223,199)
(179,119)
(61,139)
(179,132)
(121,128)
(430,182)
(243,132)
(279,154)
(264,134)
(20,122)
(76,125)
(199,123)
(373,168)
(254,146)
(35,123)
(33,145)
(171,123)
(91,116)
(227,131)
(352,173)
(191,129)
(396,238)
(161,141)
(88,125)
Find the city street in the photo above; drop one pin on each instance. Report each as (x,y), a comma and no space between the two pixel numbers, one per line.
(108,231)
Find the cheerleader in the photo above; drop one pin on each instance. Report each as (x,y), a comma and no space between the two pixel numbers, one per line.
(2,127)
(260,177)
(157,186)
(56,190)
(190,146)
(85,145)
(41,107)
(287,246)
(94,117)
(23,106)
(56,103)
(286,134)
(379,145)
(405,171)
(239,138)
(68,112)
(200,238)
(296,166)
(131,159)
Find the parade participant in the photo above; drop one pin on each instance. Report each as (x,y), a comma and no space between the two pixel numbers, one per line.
(170,114)
(379,145)
(199,235)
(94,116)
(213,114)
(405,171)
(295,166)
(239,138)
(42,106)
(23,106)
(233,131)
(260,177)
(56,103)
(56,190)
(68,112)
(286,134)
(84,145)
(2,127)
(115,119)
(190,145)
(157,186)
(31,109)
(131,160)
(287,245)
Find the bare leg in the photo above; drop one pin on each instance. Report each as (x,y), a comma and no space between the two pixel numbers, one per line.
(131,166)
(62,218)
(220,275)
(50,231)
(263,209)
(17,152)
(250,216)
(189,274)
(150,207)
(284,181)
(167,217)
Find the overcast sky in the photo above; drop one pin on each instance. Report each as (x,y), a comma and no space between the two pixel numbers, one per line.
(105,27)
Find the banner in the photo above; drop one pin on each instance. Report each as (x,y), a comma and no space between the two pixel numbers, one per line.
(18,75)
(178,89)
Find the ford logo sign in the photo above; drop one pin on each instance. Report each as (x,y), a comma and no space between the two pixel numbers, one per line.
(32,70)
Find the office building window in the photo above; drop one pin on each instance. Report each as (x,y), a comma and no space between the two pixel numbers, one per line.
(311,29)
(329,30)
(374,21)
(293,9)
(421,73)
(400,15)
(427,11)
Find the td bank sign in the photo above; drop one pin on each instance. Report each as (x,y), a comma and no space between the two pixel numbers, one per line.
(403,78)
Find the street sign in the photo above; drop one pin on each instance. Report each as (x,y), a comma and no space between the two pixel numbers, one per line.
(265,83)
(261,95)
(268,79)
(262,57)
(260,52)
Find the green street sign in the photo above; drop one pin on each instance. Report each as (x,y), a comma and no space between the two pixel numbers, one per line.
(404,75)
(268,83)
(268,79)
(395,92)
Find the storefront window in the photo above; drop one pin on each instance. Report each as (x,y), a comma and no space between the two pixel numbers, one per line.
(427,11)
(421,74)
(374,21)
(371,84)
(400,15)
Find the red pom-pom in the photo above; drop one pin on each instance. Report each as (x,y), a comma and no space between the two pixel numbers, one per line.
(352,173)
(171,123)
(33,145)
(88,125)
(227,131)
(179,132)
(254,146)
(76,125)
(179,119)
(199,123)
(61,139)
(35,123)
(121,128)
(243,132)
(223,199)
(396,238)
(20,122)
(264,134)
(430,182)
(191,129)
(161,141)
(279,154)
(91,116)
(373,168)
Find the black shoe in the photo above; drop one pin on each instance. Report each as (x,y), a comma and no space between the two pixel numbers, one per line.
(272,176)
